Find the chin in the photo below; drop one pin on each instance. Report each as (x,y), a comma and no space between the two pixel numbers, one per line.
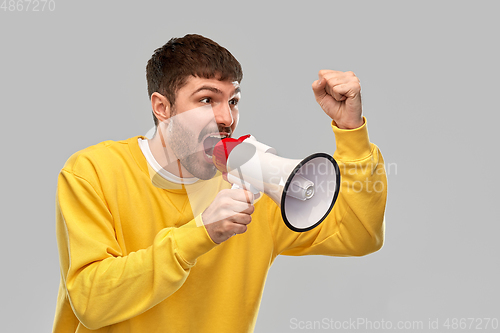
(204,171)
(209,174)
(198,166)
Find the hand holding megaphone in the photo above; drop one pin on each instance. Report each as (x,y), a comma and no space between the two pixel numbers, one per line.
(305,190)
(229,214)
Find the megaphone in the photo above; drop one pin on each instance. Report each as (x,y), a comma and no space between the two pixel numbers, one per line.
(305,190)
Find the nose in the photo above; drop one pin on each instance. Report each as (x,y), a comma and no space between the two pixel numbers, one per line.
(223,115)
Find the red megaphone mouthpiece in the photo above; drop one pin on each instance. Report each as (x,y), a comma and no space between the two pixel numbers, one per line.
(222,150)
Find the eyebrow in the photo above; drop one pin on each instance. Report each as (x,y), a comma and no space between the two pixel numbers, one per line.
(214,90)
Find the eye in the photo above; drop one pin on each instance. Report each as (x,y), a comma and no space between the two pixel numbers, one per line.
(234,102)
(206,100)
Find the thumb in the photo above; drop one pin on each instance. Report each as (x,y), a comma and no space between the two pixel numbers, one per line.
(318,88)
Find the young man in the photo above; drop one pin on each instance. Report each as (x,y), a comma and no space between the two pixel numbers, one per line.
(151,238)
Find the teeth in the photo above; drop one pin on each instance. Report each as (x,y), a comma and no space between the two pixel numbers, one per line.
(218,136)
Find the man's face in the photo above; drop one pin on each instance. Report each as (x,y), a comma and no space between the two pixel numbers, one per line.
(205,111)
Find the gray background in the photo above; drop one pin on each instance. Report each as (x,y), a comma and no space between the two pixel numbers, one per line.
(429,72)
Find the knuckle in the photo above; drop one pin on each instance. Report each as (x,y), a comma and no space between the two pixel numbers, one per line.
(246,219)
(243,219)
(225,205)
(227,226)
(224,192)
(225,215)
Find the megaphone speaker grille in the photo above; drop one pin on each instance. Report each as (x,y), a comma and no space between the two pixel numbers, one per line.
(303,215)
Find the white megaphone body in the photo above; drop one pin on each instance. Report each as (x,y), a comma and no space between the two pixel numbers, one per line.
(305,190)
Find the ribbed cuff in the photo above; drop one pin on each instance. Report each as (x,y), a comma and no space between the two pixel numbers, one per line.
(193,241)
(352,144)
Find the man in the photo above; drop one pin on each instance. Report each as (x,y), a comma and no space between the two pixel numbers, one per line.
(151,238)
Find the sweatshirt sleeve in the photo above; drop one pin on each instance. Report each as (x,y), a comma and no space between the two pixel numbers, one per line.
(355,225)
(103,285)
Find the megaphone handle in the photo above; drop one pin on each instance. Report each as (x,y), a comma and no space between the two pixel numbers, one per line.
(238,183)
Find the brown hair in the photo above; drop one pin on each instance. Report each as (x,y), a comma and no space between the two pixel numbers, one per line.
(191,55)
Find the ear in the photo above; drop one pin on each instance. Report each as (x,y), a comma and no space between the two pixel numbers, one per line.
(161,106)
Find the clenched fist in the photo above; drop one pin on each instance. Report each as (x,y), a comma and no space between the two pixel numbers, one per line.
(339,95)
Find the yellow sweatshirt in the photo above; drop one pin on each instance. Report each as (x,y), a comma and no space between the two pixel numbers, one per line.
(134,258)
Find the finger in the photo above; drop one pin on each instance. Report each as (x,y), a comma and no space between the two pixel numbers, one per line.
(256,196)
(346,90)
(318,88)
(340,78)
(233,230)
(333,80)
(242,196)
(337,92)
(231,212)
(242,207)
(239,229)
(241,218)
(249,210)
(335,87)
(328,73)
(235,203)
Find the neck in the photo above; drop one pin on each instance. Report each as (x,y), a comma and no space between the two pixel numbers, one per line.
(164,155)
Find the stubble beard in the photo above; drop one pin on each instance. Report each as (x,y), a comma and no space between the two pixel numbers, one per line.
(186,148)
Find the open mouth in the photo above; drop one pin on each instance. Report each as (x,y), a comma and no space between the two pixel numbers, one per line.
(209,143)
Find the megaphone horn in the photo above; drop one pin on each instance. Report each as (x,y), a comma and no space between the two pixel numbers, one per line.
(305,190)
